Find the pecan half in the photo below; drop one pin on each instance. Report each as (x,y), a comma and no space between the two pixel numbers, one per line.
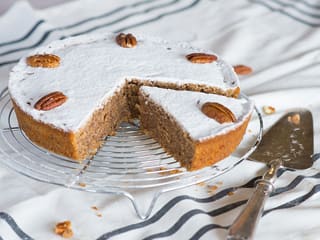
(201,58)
(126,40)
(64,229)
(43,60)
(242,69)
(218,112)
(50,101)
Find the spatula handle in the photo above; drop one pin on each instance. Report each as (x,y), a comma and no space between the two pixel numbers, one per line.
(244,226)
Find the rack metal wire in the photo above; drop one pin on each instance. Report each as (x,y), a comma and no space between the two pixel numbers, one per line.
(128,161)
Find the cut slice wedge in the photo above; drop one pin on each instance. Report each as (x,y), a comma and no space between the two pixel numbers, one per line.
(174,118)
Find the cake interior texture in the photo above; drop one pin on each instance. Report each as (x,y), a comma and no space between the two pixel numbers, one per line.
(192,154)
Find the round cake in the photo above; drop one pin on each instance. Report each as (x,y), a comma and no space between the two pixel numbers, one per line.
(69,95)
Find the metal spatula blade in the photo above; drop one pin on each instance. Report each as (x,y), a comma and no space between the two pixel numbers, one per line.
(290,139)
(289,143)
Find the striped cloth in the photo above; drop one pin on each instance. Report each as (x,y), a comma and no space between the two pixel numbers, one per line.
(278,38)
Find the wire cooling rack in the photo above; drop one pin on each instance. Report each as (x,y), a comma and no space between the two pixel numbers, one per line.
(126,162)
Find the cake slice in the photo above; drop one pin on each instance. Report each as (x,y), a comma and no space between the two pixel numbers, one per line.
(198,129)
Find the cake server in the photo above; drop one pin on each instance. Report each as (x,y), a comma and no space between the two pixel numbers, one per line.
(289,143)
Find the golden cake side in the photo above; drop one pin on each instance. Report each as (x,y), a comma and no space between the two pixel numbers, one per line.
(86,141)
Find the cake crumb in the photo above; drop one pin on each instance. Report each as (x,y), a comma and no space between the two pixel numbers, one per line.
(170,172)
(230,193)
(213,187)
(295,119)
(64,229)
(268,109)
(201,184)
(175,171)
(94,208)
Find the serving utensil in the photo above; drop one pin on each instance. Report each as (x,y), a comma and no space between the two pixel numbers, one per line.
(289,143)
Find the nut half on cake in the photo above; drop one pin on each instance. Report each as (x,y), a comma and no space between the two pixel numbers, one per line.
(68,96)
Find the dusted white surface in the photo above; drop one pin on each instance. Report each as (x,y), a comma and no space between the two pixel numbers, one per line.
(285,56)
(185,108)
(93,67)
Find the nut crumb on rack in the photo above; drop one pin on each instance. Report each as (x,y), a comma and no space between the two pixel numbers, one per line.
(268,109)
(174,171)
(212,187)
(64,229)
(230,193)
(201,184)
(170,172)
(295,119)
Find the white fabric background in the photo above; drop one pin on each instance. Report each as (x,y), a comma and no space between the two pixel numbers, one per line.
(279,39)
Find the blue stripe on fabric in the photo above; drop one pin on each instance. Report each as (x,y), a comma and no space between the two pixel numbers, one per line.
(203,230)
(179,223)
(285,13)
(188,215)
(138,13)
(106,14)
(206,229)
(169,205)
(294,6)
(297,201)
(47,33)
(14,226)
(311,5)
(33,29)
(135,25)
